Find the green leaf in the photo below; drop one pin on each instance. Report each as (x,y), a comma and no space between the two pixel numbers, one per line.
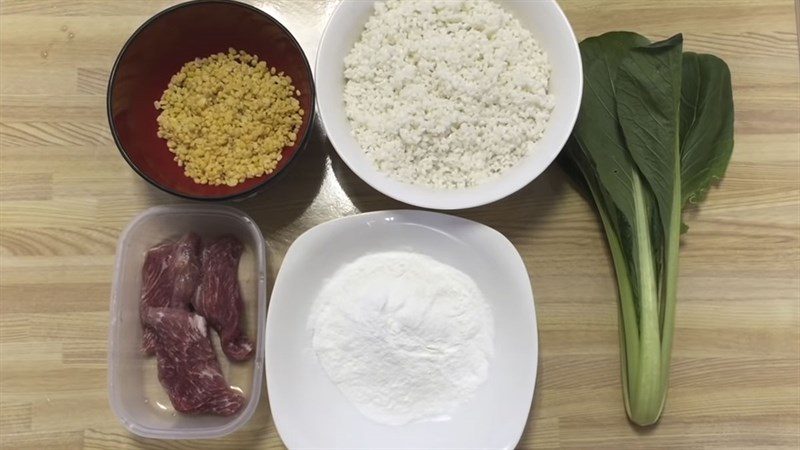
(570,160)
(611,47)
(653,132)
(706,123)
(626,207)
(648,101)
(576,164)
(600,139)
(597,129)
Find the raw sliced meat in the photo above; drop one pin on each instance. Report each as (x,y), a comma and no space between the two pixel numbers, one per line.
(170,276)
(156,288)
(185,270)
(187,365)
(219,298)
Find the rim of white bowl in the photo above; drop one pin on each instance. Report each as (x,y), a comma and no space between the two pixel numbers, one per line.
(441,199)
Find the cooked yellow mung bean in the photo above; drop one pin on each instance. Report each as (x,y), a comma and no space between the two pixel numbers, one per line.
(228,117)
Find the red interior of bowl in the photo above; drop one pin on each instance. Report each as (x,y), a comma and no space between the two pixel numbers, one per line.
(160,48)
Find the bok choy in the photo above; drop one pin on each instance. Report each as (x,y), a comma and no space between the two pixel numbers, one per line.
(654,131)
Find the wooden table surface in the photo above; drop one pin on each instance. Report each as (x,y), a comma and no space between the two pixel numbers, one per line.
(67,194)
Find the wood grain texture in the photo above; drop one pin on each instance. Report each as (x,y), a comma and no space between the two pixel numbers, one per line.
(65,195)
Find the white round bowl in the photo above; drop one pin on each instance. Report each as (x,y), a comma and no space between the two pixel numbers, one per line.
(548,25)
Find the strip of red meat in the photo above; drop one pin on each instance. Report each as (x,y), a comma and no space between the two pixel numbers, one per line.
(219,298)
(187,365)
(170,275)
(186,270)
(156,288)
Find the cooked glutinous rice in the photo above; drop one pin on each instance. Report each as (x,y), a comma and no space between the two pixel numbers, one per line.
(446,93)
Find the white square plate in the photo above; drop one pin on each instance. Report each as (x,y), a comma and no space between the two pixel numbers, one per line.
(309,410)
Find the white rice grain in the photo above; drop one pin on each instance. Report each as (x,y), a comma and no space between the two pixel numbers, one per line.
(446,94)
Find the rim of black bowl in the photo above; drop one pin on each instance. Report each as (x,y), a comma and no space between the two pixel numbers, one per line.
(256,189)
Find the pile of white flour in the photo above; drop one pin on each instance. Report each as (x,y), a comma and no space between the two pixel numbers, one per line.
(403,336)
(446,94)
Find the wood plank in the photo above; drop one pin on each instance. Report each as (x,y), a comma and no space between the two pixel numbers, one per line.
(66,194)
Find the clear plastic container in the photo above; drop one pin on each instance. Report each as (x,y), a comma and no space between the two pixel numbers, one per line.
(136,395)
